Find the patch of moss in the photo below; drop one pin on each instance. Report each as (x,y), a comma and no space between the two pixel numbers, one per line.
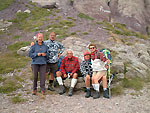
(85,33)
(16,37)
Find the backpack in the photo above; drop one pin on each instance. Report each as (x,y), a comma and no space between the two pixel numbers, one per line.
(106,53)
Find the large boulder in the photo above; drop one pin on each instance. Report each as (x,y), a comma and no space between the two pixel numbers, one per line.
(94,8)
(134,13)
(24,51)
(46,3)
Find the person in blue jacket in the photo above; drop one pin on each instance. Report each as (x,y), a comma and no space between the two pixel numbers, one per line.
(38,54)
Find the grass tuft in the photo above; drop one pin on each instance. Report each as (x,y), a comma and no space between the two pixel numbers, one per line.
(84,16)
(17,45)
(9,86)
(5,4)
(17,99)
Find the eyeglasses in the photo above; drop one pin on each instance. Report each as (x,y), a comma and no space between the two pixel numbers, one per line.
(92,48)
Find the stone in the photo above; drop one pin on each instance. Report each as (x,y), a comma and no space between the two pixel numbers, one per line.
(24,51)
(49,4)
(27,11)
(19,11)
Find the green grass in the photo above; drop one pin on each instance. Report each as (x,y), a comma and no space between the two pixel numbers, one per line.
(9,86)
(84,16)
(58,18)
(133,83)
(16,37)
(17,99)
(71,18)
(17,45)
(5,4)
(17,78)
(2,79)
(67,23)
(73,33)
(117,90)
(12,61)
(85,33)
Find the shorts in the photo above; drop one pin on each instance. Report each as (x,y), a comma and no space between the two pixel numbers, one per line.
(103,72)
(52,67)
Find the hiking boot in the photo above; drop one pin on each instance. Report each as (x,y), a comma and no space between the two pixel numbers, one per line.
(96,95)
(61,89)
(88,93)
(105,94)
(42,92)
(70,91)
(50,87)
(34,92)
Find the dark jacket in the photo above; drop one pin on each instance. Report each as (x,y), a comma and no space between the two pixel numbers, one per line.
(33,53)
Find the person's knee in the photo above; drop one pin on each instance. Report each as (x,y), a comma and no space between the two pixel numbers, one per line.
(58,74)
(87,77)
(75,75)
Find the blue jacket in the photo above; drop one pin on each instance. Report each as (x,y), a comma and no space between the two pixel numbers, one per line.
(33,53)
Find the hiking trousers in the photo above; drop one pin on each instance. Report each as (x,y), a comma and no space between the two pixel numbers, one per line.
(41,69)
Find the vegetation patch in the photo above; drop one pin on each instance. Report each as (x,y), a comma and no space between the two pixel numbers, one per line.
(71,18)
(16,37)
(11,61)
(84,16)
(117,90)
(5,4)
(17,45)
(17,99)
(85,33)
(9,86)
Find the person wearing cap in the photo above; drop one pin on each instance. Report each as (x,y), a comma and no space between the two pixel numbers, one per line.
(38,53)
(68,69)
(55,49)
(86,71)
(99,66)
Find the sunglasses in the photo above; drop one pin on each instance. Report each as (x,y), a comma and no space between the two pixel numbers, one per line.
(92,48)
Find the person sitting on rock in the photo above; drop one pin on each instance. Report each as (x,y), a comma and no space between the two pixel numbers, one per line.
(86,71)
(38,53)
(99,65)
(69,68)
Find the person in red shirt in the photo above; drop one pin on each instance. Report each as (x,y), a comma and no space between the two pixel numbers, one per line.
(69,69)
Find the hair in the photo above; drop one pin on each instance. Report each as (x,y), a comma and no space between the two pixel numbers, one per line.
(52,33)
(92,45)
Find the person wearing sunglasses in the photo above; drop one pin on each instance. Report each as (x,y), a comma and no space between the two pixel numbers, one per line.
(99,66)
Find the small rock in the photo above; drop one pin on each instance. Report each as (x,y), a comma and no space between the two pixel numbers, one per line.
(27,11)
(18,11)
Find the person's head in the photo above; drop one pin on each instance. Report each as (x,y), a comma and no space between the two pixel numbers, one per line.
(52,36)
(69,54)
(92,47)
(87,55)
(39,37)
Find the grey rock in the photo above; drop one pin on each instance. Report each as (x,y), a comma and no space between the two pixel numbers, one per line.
(24,51)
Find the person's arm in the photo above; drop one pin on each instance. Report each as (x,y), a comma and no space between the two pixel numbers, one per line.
(32,53)
(76,68)
(82,69)
(62,67)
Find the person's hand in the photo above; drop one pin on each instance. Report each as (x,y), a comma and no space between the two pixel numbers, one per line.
(32,43)
(71,74)
(106,66)
(108,61)
(43,54)
(39,54)
(65,75)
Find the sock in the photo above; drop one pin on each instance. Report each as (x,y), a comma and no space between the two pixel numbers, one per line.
(93,86)
(104,89)
(73,82)
(97,87)
(59,80)
(51,81)
(88,88)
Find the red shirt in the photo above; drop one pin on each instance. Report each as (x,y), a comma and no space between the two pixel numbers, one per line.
(100,55)
(69,65)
